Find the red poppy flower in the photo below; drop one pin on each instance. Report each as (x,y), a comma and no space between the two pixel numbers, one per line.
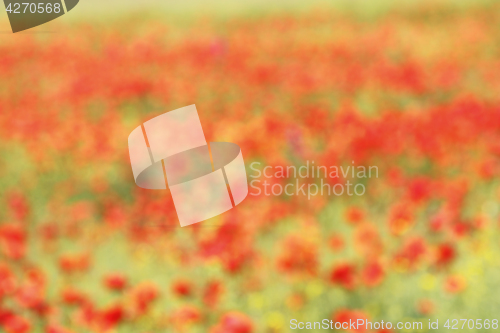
(344,274)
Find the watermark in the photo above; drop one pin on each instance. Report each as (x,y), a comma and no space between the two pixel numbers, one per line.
(26,14)
(406,326)
(356,324)
(310,180)
(205,180)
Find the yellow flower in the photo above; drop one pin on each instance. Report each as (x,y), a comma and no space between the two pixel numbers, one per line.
(275,320)
(314,289)
(256,301)
(428,282)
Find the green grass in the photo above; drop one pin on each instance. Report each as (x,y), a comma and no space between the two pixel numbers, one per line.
(187,11)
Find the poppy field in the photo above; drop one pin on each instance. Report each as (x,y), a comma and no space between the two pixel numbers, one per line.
(412,92)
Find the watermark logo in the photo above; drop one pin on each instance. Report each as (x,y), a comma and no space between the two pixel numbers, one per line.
(171,151)
(26,14)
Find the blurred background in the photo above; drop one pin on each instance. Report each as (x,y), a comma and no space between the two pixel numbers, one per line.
(411,87)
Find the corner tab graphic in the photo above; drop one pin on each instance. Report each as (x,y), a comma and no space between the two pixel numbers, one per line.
(26,15)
